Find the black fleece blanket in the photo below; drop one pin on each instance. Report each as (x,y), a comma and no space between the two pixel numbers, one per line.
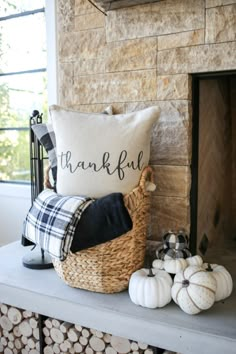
(103,220)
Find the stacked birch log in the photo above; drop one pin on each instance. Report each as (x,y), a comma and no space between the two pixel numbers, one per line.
(19,332)
(64,337)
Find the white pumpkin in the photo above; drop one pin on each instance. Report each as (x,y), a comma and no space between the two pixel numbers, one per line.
(195,260)
(158,264)
(150,288)
(174,266)
(194,290)
(223,280)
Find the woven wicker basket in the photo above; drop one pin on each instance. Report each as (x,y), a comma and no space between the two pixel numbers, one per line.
(106,268)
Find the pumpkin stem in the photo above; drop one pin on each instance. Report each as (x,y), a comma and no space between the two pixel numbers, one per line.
(150,274)
(185,283)
(209,268)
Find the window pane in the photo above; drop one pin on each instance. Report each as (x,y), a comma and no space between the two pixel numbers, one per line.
(23,43)
(14,152)
(10,7)
(19,96)
(15,156)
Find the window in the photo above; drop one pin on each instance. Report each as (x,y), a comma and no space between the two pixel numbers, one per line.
(23,82)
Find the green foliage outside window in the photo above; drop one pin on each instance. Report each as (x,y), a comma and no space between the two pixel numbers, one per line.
(20,93)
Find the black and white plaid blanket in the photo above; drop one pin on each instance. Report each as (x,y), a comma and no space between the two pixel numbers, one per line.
(52,220)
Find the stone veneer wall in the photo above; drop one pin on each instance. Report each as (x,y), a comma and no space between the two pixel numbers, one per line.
(142,56)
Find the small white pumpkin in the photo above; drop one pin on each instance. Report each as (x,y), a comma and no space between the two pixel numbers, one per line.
(223,280)
(150,288)
(195,260)
(194,290)
(174,266)
(158,264)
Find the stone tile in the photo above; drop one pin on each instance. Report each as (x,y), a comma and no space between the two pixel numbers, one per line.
(221,24)
(171,142)
(83,45)
(117,107)
(172,181)
(89,21)
(174,87)
(171,136)
(160,18)
(66,88)
(89,66)
(115,87)
(99,107)
(65,15)
(66,45)
(131,55)
(169,213)
(214,3)
(128,23)
(203,58)
(84,7)
(182,39)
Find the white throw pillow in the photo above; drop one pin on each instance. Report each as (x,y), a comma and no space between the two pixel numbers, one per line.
(100,154)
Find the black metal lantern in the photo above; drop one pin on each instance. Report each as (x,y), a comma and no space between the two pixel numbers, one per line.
(36,258)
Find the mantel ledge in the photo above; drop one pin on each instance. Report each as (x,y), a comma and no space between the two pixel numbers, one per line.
(107,5)
(43,292)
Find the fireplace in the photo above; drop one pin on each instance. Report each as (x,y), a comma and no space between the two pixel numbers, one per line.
(213,193)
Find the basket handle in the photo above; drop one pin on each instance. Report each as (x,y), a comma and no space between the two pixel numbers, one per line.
(47,182)
(146,176)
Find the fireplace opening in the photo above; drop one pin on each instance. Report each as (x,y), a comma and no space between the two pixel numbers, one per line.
(213,192)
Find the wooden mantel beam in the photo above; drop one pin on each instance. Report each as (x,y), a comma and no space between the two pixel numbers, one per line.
(108,5)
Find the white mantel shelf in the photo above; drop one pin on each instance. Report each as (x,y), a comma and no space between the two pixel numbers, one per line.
(42,291)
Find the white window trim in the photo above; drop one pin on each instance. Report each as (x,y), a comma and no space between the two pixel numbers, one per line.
(21,190)
(52,67)
(11,190)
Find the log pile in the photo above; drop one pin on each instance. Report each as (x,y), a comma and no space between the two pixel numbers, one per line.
(19,332)
(64,337)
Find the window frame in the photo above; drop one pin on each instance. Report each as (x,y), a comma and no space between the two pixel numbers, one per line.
(21,189)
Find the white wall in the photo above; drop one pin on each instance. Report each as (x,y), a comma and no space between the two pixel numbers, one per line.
(15,201)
